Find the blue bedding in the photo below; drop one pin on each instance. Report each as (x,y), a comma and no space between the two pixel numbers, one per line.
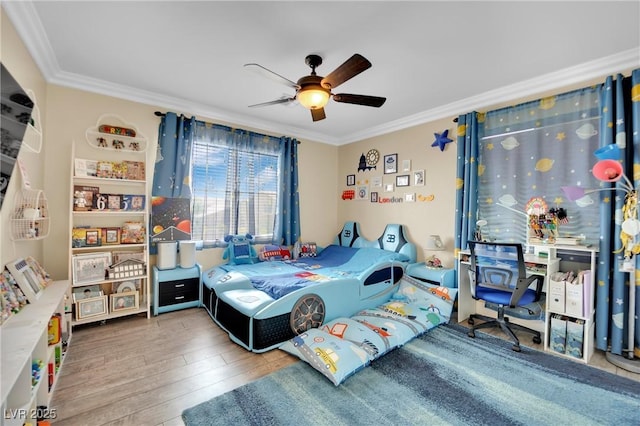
(278,278)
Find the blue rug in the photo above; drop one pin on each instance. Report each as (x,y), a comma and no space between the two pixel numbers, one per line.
(442,377)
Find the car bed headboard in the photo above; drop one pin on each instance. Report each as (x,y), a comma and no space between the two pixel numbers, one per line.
(349,234)
(394,239)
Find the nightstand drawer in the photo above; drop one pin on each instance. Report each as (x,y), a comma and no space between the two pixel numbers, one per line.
(179,291)
(176,289)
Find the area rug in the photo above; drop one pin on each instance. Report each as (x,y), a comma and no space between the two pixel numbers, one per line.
(441,378)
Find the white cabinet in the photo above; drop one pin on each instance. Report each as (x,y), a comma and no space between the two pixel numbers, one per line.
(109,210)
(30,364)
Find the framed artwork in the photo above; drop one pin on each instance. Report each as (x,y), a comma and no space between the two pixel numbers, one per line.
(86,292)
(92,237)
(402,180)
(362,193)
(390,163)
(90,268)
(374,197)
(406,165)
(351,180)
(418,178)
(110,235)
(410,198)
(91,307)
(388,187)
(124,301)
(376,181)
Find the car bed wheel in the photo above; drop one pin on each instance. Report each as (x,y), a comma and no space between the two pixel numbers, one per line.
(308,312)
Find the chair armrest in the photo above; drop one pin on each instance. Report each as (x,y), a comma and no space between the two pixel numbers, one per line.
(523,285)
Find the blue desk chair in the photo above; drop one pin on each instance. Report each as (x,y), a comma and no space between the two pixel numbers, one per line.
(498,275)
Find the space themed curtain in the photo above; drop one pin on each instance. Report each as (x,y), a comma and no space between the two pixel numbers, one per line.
(171,174)
(527,153)
(466,180)
(616,302)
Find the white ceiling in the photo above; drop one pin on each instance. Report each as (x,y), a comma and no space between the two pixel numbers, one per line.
(430,59)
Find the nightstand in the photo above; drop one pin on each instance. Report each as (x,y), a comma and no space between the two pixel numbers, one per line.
(443,277)
(175,289)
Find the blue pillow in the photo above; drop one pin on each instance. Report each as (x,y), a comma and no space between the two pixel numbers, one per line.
(240,249)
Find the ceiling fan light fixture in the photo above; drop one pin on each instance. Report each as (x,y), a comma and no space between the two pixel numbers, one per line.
(313,97)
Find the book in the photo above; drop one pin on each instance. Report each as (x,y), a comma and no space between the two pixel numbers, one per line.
(574,338)
(83,197)
(558,337)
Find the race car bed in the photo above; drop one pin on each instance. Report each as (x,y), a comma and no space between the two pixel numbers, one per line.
(264,304)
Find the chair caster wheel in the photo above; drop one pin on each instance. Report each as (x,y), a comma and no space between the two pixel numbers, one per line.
(516,348)
(471,334)
(537,340)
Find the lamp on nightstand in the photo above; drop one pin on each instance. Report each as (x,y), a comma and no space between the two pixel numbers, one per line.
(434,243)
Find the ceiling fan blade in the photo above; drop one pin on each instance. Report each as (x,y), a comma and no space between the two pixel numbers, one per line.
(372,101)
(349,69)
(276,102)
(318,114)
(272,75)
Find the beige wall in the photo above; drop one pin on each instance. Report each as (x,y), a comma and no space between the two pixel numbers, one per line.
(72,111)
(433,210)
(16,59)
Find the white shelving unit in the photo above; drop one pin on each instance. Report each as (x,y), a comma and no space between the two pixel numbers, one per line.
(24,339)
(104,219)
(588,317)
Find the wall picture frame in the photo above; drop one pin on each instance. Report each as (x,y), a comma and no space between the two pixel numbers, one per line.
(90,268)
(91,307)
(418,178)
(402,180)
(390,164)
(374,197)
(125,301)
(351,180)
(92,237)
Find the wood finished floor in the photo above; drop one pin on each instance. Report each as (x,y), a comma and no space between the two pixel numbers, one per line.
(139,371)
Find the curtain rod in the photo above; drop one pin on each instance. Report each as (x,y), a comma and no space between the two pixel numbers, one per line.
(162,114)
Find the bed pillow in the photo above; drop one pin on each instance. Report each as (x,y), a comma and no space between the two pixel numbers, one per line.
(360,334)
(272,252)
(335,358)
(428,296)
(240,249)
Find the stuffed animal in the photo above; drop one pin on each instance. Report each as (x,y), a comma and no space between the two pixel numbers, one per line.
(240,249)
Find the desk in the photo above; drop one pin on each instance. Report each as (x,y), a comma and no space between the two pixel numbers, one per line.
(545,266)
(175,289)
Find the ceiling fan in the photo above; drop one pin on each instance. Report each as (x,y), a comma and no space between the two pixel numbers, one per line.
(313,91)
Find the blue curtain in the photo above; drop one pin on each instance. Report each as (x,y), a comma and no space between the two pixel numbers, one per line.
(466,179)
(620,124)
(287,225)
(171,177)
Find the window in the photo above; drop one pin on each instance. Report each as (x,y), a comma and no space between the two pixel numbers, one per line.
(235,184)
(527,153)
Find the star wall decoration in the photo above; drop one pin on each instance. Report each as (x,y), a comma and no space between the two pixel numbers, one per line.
(442,139)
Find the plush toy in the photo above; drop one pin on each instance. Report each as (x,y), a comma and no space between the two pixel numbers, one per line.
(239,250)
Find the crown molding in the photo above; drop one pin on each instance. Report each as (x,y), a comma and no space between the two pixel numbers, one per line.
(620,62)
(28,25)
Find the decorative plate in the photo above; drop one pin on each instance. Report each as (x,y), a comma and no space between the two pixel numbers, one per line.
(372,157)
(126,286)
